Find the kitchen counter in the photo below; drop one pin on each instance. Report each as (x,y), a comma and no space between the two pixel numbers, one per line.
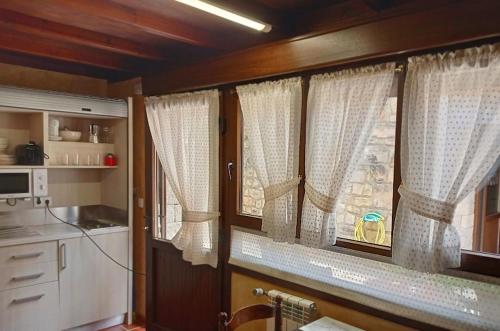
(51,232)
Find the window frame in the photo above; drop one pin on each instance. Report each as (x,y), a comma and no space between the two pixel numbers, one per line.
(474,262)
(250,221)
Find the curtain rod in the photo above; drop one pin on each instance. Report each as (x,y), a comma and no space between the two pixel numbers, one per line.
(398,69)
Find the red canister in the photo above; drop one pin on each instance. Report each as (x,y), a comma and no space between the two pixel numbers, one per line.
(110,160)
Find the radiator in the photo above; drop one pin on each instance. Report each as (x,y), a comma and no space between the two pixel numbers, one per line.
(296,311)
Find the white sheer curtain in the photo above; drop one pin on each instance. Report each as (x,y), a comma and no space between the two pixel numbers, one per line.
(185,133)
(341,111)
(450,143)
(271,115)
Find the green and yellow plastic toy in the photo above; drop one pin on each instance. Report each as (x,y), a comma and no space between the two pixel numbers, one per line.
(376,217)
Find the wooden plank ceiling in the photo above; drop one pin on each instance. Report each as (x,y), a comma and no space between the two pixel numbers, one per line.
(119,39)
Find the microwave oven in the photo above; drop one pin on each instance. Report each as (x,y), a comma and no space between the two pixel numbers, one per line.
(23,183)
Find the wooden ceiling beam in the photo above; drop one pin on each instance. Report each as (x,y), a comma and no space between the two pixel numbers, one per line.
(142,20)
(391,37)
(46,29)
(25,44)
(378,5)
(61,66)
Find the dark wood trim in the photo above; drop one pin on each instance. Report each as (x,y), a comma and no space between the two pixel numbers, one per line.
(139,233)
(337,300)
(479,207)
(149,208)
(363,247)
(480,263)
(229,195)
(397,148)
(351,13)
(302,151)
(46,29)
(458,22)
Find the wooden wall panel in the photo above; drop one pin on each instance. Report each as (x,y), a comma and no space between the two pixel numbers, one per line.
(50,80)
(126,88)
(459,22)
(242,296)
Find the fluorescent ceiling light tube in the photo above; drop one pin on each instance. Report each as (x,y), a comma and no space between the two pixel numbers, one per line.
(209,8)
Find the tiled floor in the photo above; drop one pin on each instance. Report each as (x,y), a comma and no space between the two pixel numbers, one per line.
(127,327)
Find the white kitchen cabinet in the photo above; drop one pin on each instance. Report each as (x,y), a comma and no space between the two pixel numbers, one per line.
(30,308)
(92,287)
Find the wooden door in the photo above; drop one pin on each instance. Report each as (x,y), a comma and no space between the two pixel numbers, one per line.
(180,296)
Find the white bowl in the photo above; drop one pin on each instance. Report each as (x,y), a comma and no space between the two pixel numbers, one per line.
(68,135)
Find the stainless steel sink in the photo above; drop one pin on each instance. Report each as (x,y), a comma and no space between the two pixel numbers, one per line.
(93,217)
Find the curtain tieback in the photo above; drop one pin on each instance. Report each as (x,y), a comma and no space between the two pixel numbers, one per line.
(199,216)
(428,207)
(319,200)
(276,190)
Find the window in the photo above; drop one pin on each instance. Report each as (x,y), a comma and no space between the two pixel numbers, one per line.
(477,219)
(370,194)
(364,212)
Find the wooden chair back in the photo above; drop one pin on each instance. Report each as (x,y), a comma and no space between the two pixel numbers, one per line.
(252,313)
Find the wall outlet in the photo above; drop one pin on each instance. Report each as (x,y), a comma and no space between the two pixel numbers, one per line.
(39,202)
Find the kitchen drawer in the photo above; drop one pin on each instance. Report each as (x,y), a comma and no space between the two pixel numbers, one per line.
(29,253)
(31,308)
(19,275)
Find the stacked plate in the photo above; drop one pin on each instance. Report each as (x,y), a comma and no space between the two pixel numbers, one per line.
(5,159)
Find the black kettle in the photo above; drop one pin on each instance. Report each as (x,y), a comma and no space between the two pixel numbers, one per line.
(30,154)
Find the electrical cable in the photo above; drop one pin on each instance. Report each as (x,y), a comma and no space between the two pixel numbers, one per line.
(92,240)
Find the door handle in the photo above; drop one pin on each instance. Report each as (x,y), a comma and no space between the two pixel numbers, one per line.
(27,277)
(230,170)
(62,256)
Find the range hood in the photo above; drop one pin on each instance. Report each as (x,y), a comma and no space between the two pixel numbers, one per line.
(64,102)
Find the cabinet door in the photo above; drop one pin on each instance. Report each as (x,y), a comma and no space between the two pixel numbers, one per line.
(92,287)
(30,308)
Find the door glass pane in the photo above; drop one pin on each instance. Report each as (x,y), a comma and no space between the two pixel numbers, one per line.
(168,212)
(252,193)
(173,214)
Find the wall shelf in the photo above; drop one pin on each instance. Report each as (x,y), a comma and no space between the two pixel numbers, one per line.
(80,167)
(69,144)
(22,166)
(56,167)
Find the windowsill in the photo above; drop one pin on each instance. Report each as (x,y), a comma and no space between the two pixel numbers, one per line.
(372,280)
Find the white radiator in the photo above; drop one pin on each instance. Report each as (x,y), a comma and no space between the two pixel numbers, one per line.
(296,311)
